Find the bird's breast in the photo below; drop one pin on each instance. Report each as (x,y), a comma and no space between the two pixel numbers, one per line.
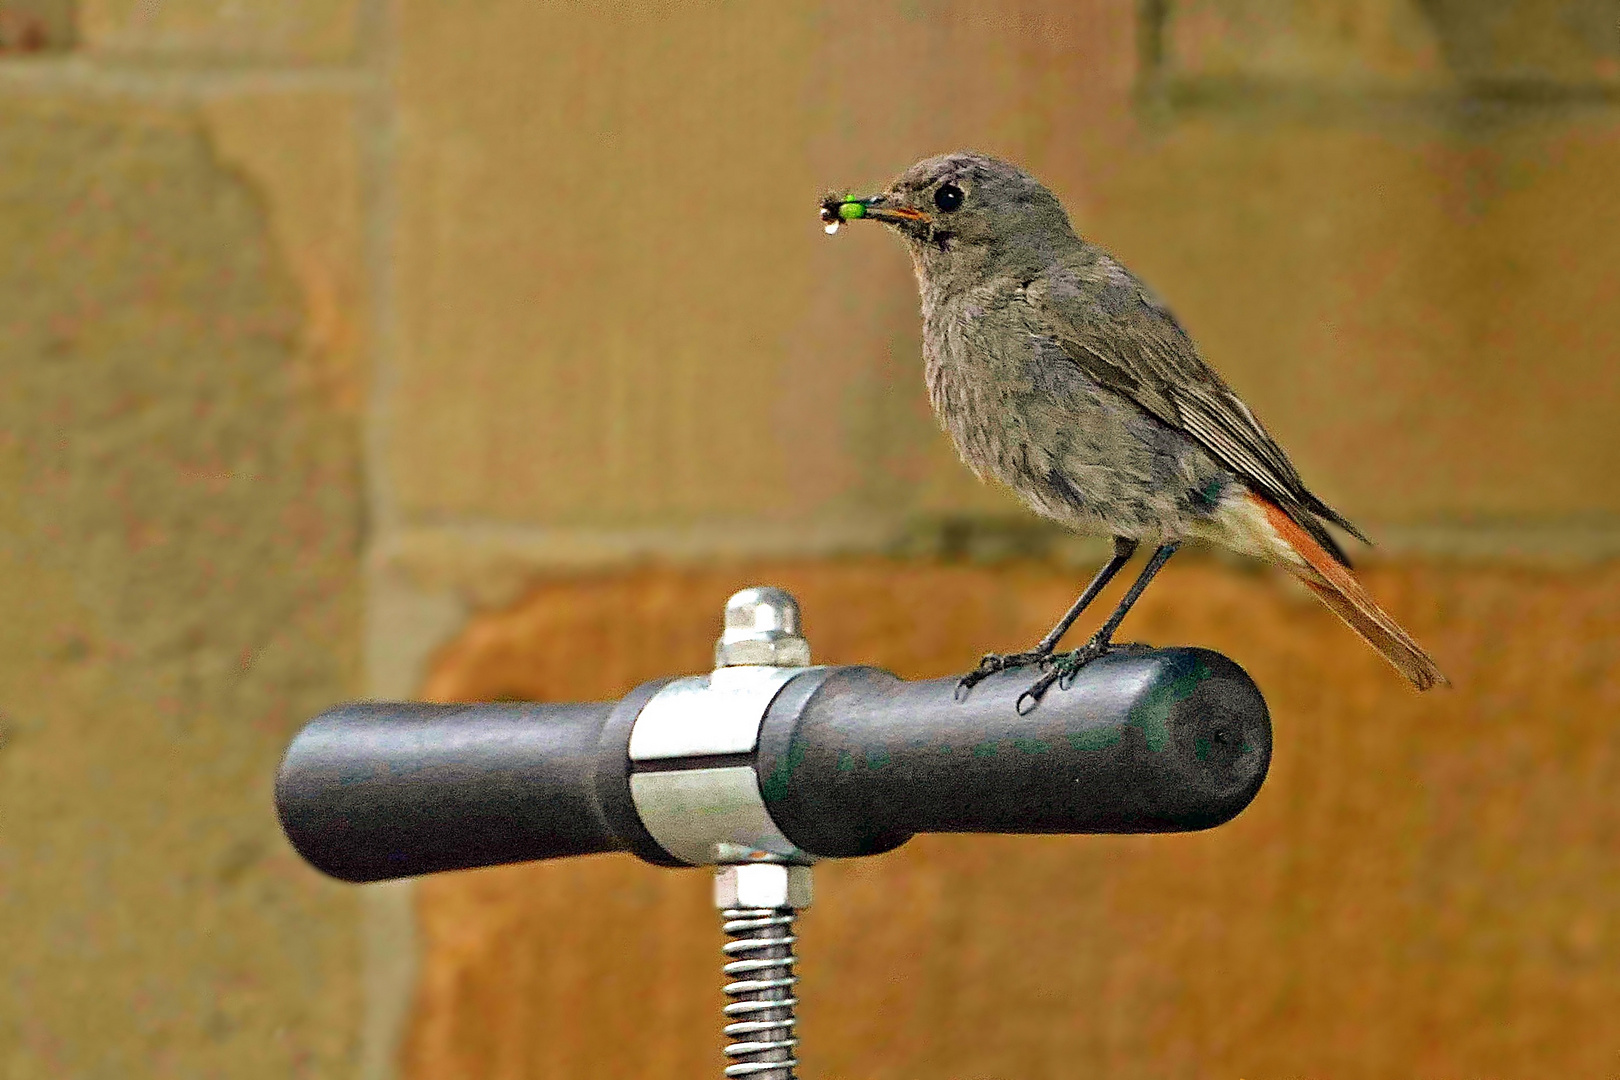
(976,368)
(1021,412)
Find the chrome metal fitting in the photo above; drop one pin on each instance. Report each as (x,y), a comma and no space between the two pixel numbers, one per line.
(762,885)
(762,627)
(692,777)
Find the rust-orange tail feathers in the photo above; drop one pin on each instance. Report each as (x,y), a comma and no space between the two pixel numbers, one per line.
(1340,591)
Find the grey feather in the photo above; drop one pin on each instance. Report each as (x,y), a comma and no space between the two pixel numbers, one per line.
(1122,337)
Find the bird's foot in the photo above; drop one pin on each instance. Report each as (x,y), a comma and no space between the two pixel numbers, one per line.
(1061,669)
(990,663)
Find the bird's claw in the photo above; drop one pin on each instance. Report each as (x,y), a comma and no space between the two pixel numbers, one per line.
(991,663)
(1032,697)
(1061,669)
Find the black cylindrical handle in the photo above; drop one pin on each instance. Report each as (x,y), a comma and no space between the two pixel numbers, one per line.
(850,761)
(373,791)
(853,760)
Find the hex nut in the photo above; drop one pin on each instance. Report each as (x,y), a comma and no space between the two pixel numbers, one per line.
(778,652)
(762,885)
(762,628)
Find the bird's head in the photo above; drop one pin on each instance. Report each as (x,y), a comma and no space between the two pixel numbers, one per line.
(963,215)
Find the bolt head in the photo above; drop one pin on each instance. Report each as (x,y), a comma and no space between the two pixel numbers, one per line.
(762,627)
(762,885)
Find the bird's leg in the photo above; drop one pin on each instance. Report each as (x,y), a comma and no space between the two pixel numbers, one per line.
(994,662)
(1064,665)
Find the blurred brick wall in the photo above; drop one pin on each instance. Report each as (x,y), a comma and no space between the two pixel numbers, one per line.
(529,290)
(608,254)
(181,335)
(1387,222)
(1422,888)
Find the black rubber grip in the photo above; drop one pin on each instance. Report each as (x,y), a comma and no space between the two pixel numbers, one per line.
(853,761)
(374,791)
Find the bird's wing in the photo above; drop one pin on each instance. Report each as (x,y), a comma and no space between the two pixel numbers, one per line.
(1111,327)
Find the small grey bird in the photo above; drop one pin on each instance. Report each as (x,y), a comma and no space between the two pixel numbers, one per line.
(1058,373)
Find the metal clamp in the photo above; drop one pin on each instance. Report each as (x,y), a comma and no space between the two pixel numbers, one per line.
(693,778)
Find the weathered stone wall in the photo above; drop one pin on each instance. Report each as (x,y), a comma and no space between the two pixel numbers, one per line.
(1386,221)
(1423,887)
(328,325)
(607,257)
(180,527)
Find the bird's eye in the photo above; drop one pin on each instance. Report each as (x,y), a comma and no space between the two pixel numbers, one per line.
(947,197)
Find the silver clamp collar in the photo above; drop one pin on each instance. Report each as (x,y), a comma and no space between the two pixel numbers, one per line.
(692,748)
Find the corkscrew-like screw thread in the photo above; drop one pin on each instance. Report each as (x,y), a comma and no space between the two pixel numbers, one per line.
(760,969)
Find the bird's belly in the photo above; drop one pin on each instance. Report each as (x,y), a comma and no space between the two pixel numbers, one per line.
(1076,453)
(1089,486)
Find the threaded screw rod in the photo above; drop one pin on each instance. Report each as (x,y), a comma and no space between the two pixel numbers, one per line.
(758,903)
(759,970)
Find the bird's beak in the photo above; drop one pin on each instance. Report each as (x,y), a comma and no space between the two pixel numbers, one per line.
(837,209)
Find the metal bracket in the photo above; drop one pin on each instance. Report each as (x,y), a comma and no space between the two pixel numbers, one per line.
(693,778)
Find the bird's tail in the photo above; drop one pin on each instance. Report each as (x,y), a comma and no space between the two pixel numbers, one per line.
(1340,591)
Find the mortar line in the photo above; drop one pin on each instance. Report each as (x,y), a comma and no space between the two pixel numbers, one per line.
(718,532)
(390,941)
(1529,541)
(378,147)
(93,77)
